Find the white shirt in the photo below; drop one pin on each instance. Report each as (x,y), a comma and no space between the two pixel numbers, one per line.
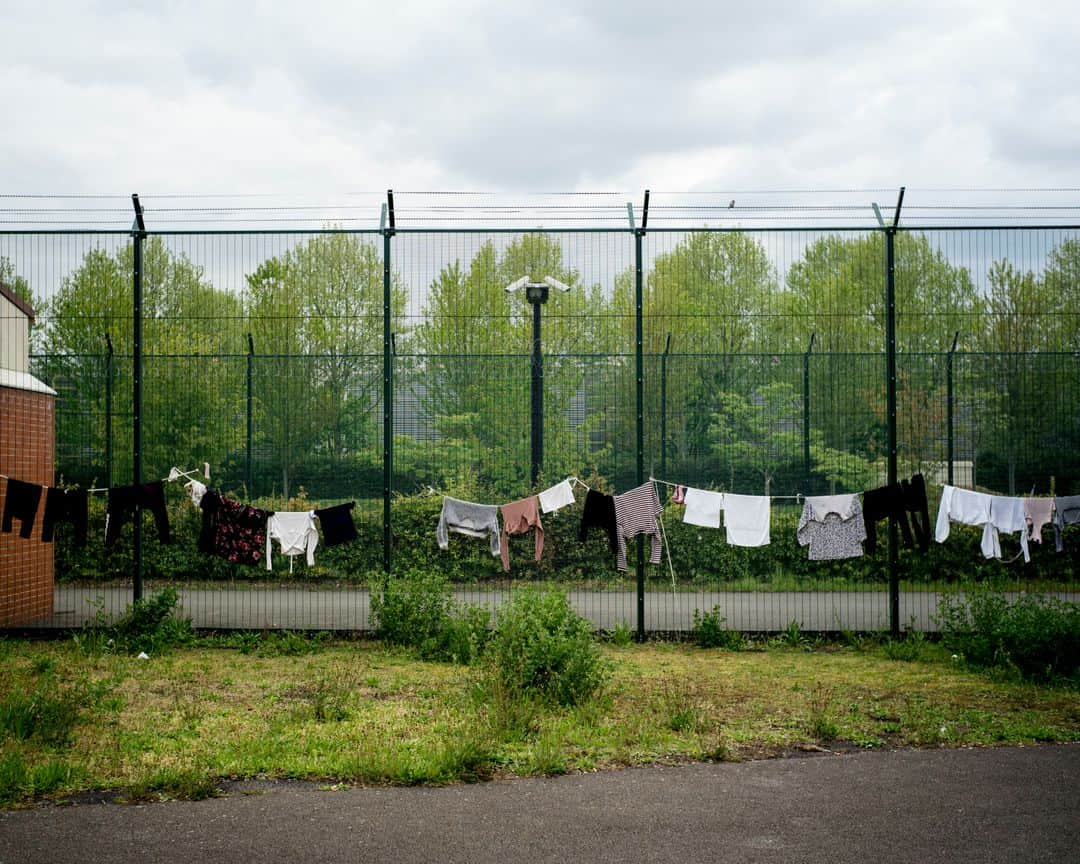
(993,512)
(295,532)
(963,507)
(1008,515)
(703,508)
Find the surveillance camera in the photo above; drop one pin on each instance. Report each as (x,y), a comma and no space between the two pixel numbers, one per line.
(555,283)
(520,283)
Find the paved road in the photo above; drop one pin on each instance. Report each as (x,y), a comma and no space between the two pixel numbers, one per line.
(348,608)
(956,806)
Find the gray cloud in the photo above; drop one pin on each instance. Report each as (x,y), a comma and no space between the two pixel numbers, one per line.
(205,97)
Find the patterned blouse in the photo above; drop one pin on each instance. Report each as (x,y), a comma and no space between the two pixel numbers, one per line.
(234,531)
(832,527)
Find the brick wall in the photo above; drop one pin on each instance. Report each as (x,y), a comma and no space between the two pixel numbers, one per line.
(27,437)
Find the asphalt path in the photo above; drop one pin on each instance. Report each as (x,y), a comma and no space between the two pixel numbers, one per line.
(259,607)
(956,806)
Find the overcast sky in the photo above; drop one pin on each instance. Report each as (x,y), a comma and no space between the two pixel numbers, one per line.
(537,96)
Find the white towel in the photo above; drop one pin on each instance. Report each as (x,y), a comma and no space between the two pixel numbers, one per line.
(558,496)
(703,508)
(746,518)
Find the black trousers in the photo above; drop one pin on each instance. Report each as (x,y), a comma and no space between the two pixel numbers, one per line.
(65,505)
(122,503)
(21,502)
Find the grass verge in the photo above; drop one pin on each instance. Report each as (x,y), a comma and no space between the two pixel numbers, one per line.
(357,712)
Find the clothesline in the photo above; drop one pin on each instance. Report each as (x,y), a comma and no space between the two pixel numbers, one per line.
(174,474)
(796,497)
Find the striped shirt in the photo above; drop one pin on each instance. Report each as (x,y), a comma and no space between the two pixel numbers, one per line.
(635,513)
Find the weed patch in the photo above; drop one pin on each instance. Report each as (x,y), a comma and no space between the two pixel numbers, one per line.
(417,610)
(1037,636)
(149,625)
(542,647)
(709,631)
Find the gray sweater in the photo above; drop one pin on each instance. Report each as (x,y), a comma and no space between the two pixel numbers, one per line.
(473,520)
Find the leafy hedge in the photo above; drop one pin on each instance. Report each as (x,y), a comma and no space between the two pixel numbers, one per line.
(699,555)
(1037,636)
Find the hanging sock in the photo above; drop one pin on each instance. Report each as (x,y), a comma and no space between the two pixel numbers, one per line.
(679,495)
(21,502)
(196,490)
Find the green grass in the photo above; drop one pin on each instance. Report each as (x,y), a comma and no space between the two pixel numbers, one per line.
(357,712)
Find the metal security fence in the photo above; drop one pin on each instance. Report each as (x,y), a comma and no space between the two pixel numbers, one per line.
(389,366)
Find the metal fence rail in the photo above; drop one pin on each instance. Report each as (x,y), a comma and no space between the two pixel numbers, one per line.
(378,366)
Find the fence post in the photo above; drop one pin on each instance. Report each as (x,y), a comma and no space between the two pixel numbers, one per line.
(949,406)
(138,234)
(806,411)
(388,387)
(639,403)
(890,408)
(250,417)
(108,409)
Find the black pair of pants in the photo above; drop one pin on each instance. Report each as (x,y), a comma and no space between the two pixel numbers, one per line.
(65,505)
(599,512)
(898,500)
(21,502)
(123,501)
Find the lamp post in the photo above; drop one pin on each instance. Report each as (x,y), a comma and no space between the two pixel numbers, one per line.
(536,293)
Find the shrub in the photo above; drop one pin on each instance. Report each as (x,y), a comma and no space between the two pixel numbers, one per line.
(412,610)
(149,624)
(417,610)
(1036,635)
(709,631)
(542,647)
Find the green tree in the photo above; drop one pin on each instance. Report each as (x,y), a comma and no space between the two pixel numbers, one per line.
(711,292)
(316,316)
(476,341)
(186,403)
(1061,279)
(837,293)
(757,434)
(1013,390)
